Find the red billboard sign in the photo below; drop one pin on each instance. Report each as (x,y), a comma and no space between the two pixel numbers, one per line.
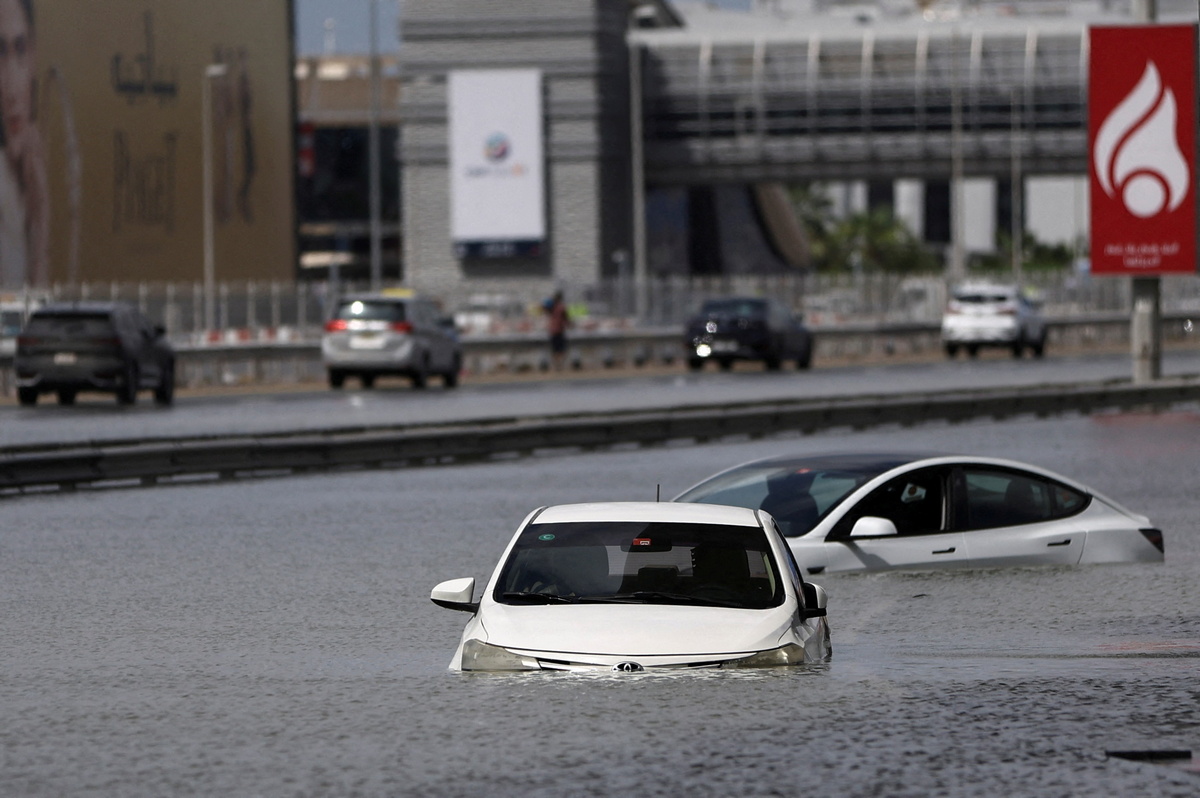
(1142,146)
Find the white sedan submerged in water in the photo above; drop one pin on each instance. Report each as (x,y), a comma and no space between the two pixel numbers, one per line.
(634,586)
(869,512)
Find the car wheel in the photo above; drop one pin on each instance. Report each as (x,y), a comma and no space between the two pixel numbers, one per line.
(336,378)
(367,380)
(804,362)
(419,377)
(695,364)
(164,394)
(128,389)
(66,397)
(972,350)
(1039,348)
(27,396)
(450,378)
(725,365)
(951,351)
(1016,349)
(772,362)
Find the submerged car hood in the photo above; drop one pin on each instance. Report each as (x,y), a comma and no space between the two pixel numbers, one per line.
(635,629)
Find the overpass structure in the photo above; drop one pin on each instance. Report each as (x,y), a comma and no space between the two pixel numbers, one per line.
(637,101)
(862,103)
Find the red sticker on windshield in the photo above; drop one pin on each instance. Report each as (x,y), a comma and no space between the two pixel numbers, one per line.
(643,542)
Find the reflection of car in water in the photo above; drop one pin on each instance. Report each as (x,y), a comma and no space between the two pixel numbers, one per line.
(746,328)
(637,586)
(374,335)
(865,512)
(93,346)
(980,314)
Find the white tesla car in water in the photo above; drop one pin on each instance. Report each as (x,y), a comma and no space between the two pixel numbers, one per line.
(634,586)
(868,512)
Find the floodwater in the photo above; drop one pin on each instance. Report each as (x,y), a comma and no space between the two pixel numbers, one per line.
(275,638)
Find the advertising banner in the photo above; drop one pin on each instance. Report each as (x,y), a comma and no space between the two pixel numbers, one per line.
(1142,139)
(497,180)
(102,170)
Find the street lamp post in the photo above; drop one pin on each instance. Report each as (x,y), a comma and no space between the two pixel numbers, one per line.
(211,72)
(373,155)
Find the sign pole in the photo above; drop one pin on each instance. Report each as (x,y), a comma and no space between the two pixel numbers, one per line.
(1145,321)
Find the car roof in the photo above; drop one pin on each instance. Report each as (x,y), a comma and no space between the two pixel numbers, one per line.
(1002,288)
(649,511)
(881,461)
(83,306)
(369,296)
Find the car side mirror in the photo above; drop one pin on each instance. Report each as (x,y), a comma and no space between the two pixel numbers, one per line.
(870,526)
(456,594)
(815,600)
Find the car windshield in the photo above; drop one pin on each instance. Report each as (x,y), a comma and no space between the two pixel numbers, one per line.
(642,563)
(797,495)
(734,307)
(365,310)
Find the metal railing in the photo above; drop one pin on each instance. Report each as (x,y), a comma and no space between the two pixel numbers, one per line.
(257,312)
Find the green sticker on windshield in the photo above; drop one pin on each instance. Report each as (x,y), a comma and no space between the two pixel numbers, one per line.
(547,536)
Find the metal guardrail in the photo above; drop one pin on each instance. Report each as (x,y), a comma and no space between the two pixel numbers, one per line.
(125,463)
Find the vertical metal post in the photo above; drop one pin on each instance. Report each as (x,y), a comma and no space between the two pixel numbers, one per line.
(1145,322)
(637,159)
(958,267)
(374,187)
(1017,193)
(211,72)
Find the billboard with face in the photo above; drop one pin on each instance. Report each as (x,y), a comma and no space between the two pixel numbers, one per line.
(1142,132)
(101,114)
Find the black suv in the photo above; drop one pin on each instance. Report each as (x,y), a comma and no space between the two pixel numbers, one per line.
(93,346)
(746,328)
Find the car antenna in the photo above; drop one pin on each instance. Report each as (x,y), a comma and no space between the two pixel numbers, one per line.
(658,492)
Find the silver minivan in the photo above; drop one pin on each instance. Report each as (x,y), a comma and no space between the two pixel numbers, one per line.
(374,335)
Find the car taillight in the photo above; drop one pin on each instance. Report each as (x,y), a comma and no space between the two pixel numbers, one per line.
(28,340)
(400,327)
(336,325)
(1007,311)
(1155,536)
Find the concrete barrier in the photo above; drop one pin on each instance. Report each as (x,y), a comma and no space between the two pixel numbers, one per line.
(284,361)
(123,463)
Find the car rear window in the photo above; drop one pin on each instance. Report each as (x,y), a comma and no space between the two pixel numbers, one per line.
(70,324)
(735,307)
(984,298)
(366,310)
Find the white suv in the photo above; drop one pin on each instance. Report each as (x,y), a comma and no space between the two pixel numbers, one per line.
(984,314)
(392,333)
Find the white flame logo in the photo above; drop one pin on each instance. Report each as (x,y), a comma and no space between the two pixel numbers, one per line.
(1136,154)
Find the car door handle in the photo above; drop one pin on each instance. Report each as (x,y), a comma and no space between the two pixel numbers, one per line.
(944,551)
(1066,542)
